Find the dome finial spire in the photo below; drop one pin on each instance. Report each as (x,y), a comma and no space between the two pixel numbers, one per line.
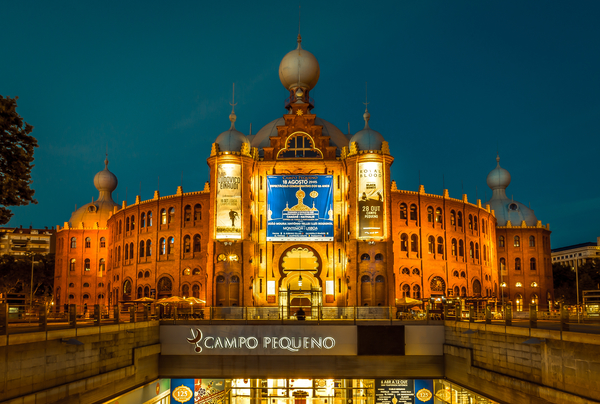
(232,116)
(299,20)
(366,115)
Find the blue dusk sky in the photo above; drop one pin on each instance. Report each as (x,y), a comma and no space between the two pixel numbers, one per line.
(450,83)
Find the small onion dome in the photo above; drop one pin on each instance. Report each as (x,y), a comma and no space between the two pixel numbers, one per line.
(299,69)
(99,210)
(498,178)
(367,139)
(232,139)
(105,180)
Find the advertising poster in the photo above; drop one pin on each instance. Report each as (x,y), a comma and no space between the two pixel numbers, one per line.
(370,200)
(299,208)
(403,391)
(198,391)
(229,201)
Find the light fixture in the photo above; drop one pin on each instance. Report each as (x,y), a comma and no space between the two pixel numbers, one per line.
(300,281)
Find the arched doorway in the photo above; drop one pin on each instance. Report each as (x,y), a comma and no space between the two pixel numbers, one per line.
(300,288)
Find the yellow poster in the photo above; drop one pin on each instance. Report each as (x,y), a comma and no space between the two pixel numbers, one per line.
(229,201)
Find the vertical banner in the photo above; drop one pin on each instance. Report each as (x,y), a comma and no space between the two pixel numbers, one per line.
(370,200)
(424,391)
(403,391)
(229,201)
(300,208)
(198,391)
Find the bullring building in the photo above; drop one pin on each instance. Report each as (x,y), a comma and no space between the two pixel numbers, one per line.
(301,214)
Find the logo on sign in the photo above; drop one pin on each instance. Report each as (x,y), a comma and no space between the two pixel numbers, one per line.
(424,395)
(182,394)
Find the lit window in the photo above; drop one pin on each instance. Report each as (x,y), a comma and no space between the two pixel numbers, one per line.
(519,285)
(300,147)
(534,284)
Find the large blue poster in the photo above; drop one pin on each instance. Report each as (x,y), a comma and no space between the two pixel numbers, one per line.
(300,208)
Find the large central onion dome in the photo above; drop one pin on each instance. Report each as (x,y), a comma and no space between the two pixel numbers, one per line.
(299,69)
(498,178)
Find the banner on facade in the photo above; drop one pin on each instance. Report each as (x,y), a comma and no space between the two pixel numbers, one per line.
(199,391)
(403,391)
(229,201)
(300,208)
(370,200)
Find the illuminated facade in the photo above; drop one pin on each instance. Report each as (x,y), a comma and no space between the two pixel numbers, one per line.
(297,215)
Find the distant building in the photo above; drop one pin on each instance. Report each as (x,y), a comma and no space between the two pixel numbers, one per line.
(576,255)
(20,241)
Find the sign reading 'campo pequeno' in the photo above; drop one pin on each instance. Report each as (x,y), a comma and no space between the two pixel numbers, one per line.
(258,340)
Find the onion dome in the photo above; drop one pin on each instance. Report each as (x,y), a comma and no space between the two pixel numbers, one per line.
(99,210)
(504,208)
(299,69)
(232,139)
(367,139)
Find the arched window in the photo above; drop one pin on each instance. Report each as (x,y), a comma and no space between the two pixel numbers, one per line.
(73,242)
(87,264)
(476,251)
(197,245)
(430,214)
(403,211)
(187,213)
(416,292)
(171,215)
(517,264)
(88,242)
(459,219)
(405,271)
(431,245)
(476,287)
(475,221)
(534,299)
(519,301)
(378,257)
(456,291)
(140,292)
(196,271)
(438,215)
(365,257)
(162,249)
(471,250)
(365,290)
(405,290)
(185,290)
(531,241)
(455,274)
(483,227)
(452,218)
(196,290)
(437,284)
(413,212)
(126,252)
(440,246)
(165,286)
(86,297)
(148,248)
(147,274)
(102,242)
(126,224)
(517,241)
(532,264)
(502,264)
(501,242)
(143,220)
(197,212)
(140,275)
(461,249)
(150,219)
(142,249)
(463,274)
(454,247)
(187,272)
(163,216)
(186,244)
(470,222)
(102,264)
(414,243)
(171,245)
(132,223)
(127,289)
(146,291)
(484,250)
(404,242)
(416,271)
(299,147)
(463,292)
(221,291)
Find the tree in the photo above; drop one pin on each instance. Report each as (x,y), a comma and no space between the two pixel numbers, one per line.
(565,290)
(16,157)
(15,275)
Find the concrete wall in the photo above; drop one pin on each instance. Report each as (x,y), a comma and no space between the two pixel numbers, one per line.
(39,368)
(495,362)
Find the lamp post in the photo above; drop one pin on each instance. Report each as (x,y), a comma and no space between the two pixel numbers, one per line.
(577,287)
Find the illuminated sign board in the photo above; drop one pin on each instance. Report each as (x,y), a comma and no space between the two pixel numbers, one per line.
(199,391)
(403,391)
(229,201)
(300,208)
(258,340)
(370,200)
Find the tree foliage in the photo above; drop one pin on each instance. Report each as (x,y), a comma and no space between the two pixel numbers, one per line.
(15,275)
(16,157)
(565,290)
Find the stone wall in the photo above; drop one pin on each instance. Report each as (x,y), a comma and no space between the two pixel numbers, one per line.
(562,367)
(42,368)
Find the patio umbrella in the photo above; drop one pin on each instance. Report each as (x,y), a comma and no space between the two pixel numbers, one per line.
(144,300)
(194,300)
(172,299)
(407,301)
